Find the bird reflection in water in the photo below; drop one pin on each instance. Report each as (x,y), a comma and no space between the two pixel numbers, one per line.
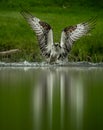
(58,99)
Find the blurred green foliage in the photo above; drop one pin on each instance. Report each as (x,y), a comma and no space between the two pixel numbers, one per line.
(32,3)
(15,32)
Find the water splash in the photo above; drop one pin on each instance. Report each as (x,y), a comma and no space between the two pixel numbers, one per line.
(45,64)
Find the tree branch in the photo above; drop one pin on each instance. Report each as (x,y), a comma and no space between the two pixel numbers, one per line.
(12,51)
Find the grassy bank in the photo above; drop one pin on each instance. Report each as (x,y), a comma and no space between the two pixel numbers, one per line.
(16,33)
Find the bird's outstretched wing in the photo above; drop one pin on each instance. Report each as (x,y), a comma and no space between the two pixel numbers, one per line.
(72,33)
(43,31)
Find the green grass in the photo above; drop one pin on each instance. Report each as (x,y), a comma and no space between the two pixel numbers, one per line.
(16,33)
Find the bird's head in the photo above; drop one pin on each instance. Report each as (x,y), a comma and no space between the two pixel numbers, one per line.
(57,46)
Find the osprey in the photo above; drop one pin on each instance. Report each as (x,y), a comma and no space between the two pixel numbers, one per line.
(55,52)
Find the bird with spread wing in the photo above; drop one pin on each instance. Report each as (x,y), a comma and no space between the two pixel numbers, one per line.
(55,52)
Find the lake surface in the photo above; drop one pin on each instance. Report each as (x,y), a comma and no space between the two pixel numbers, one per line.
(51,98)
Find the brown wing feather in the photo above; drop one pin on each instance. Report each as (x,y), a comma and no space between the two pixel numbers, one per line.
(72,33)
(43,31)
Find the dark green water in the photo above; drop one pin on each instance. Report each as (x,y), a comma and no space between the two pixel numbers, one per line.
(58,98)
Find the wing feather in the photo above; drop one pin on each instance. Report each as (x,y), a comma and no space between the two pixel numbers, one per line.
(72,33)
(43,32)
